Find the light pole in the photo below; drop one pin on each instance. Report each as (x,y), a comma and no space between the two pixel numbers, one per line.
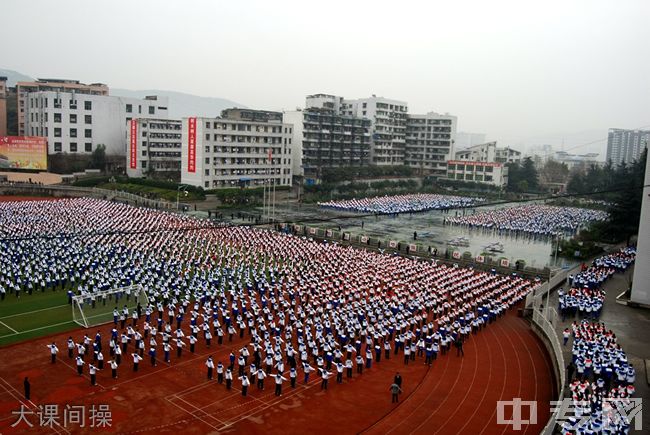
(178,194)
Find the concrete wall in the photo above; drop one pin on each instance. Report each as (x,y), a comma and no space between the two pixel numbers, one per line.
(640,288)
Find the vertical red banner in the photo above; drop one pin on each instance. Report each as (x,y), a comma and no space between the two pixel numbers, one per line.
(134,144)
(191,145)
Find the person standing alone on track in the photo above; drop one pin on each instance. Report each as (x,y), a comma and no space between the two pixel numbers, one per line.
(28,388)
(396,390)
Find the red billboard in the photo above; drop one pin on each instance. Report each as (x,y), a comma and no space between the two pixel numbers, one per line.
(134,144)
(23,152)
(191,145)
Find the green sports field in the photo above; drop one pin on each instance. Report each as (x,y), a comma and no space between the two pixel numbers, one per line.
(34,315)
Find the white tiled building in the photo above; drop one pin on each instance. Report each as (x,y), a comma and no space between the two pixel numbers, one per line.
(430,142)
(77,123)
(233,150)
(492,173)
(388,118)
(154,146)
(489,152)
(325,138)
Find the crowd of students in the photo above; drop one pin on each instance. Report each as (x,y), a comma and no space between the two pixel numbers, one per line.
(534,219)
(585,295)
(599,370)
(402,203)
(295,303)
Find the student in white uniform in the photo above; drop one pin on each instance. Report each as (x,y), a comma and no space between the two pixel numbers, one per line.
(244,384)
(53,351)
(136,361)
(278,383)
(93,374)
(114,367)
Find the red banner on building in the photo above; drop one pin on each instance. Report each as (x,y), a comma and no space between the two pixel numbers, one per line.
(134,144)
(191,145)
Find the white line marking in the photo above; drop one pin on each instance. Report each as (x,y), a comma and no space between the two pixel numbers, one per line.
(34,311)
(9,327)
(192,415)
(37,329)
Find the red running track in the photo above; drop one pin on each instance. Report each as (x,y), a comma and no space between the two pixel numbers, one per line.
(456,395)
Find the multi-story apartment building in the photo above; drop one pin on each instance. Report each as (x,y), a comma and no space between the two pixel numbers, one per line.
(489,152)
(55,85)
(323,138)
(430,143)
(626,146)
(242,147)
(492,173)
(507,155)
(388,127)
(76,123)
(154,148)
(3,106)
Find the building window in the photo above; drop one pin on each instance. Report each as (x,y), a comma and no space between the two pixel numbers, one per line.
(88,147)
(88,105)
(88,119)
(57,147)
(207,172)
(144,153)
(129,108)
(57,117)
(57,132)
(73,132)
(152,110)
(73,147)
(207,184)
(207,136)
(144,164)
(88,133)
(73,118)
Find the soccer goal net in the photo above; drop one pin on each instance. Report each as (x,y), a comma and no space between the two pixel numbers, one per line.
(100,307)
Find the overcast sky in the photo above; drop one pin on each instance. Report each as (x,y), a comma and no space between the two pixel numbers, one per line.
(520,71)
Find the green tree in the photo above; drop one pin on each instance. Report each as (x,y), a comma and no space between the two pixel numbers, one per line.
(625,213)
(554,172)
(98,158)
(522,172)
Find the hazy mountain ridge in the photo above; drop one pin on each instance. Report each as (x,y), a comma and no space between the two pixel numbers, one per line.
(180,104)
(183,105)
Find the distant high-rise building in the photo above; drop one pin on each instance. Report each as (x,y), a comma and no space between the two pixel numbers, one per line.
(626,146)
